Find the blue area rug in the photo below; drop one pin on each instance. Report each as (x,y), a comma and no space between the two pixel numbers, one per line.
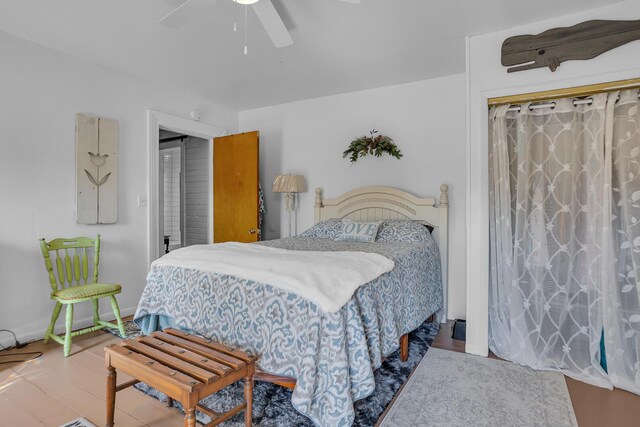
(272,403)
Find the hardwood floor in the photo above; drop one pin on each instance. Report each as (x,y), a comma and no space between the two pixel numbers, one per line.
(593,406)
(53,389)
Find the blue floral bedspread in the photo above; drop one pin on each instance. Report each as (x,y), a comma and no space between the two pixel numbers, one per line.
(332,355)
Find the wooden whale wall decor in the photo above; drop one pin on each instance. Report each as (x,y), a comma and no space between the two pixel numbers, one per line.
(581,41)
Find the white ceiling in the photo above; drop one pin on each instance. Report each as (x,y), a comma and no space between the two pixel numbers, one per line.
(338,47)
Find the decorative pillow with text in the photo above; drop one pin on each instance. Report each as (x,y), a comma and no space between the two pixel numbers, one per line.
(358,231)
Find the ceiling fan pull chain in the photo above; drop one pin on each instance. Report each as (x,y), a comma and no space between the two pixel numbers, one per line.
(235,17)
(245,28)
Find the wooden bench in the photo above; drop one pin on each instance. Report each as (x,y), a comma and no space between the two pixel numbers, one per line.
(183,366)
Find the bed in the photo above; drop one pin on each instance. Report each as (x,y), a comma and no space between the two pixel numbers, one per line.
(327,358)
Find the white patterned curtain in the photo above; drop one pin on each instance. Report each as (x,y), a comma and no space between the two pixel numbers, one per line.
(622,298)
(556,177)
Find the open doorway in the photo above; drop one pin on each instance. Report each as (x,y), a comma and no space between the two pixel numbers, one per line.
(183,190)
(190,203)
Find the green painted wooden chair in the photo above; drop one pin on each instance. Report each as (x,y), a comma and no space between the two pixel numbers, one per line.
(73,284)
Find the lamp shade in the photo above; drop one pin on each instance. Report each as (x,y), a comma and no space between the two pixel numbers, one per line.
(289,184)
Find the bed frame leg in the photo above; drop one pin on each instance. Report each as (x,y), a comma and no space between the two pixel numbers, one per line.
(404,348)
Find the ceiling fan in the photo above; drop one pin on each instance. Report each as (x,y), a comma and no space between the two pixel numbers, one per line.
(264,9)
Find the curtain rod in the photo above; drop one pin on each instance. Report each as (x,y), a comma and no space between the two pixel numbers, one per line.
(576,102)
(575,92)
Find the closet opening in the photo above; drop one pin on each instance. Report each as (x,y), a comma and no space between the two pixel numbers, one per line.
(564,241)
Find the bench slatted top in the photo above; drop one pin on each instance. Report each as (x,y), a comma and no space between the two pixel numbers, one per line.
(185,360)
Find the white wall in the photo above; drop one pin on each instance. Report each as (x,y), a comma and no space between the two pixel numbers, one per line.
(427,121)
(41,92)
(487,79)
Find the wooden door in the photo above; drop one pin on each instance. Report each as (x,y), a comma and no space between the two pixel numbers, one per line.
(235,188)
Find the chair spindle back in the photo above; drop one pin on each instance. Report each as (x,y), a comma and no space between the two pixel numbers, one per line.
(71,261)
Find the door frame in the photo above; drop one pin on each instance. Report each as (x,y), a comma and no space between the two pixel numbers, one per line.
(155,120)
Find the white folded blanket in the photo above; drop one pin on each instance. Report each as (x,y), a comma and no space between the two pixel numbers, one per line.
(328,279)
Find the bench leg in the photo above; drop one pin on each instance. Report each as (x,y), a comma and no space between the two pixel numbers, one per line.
(248,397)
(190,417)
(111,394)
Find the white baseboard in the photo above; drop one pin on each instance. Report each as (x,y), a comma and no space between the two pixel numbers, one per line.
(478,350)
(38,334)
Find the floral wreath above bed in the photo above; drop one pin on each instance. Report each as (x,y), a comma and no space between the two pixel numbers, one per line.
(373,144)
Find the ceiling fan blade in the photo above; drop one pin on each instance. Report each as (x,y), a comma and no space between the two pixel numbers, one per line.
(268,15)
(183,13)
(352,1)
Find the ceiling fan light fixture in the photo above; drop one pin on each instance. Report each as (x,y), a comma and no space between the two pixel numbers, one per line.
(265,11)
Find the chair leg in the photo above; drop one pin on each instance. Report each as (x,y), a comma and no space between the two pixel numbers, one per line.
(54,317)
(116,311)
(96,314)
(67,336)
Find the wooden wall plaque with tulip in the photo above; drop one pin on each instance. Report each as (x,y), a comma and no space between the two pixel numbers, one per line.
(96,170)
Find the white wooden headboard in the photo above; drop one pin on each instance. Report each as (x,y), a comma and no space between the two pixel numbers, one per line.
(376,203)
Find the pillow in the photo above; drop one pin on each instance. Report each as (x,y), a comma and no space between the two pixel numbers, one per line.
(328,229)
(358,231)
(403,230)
